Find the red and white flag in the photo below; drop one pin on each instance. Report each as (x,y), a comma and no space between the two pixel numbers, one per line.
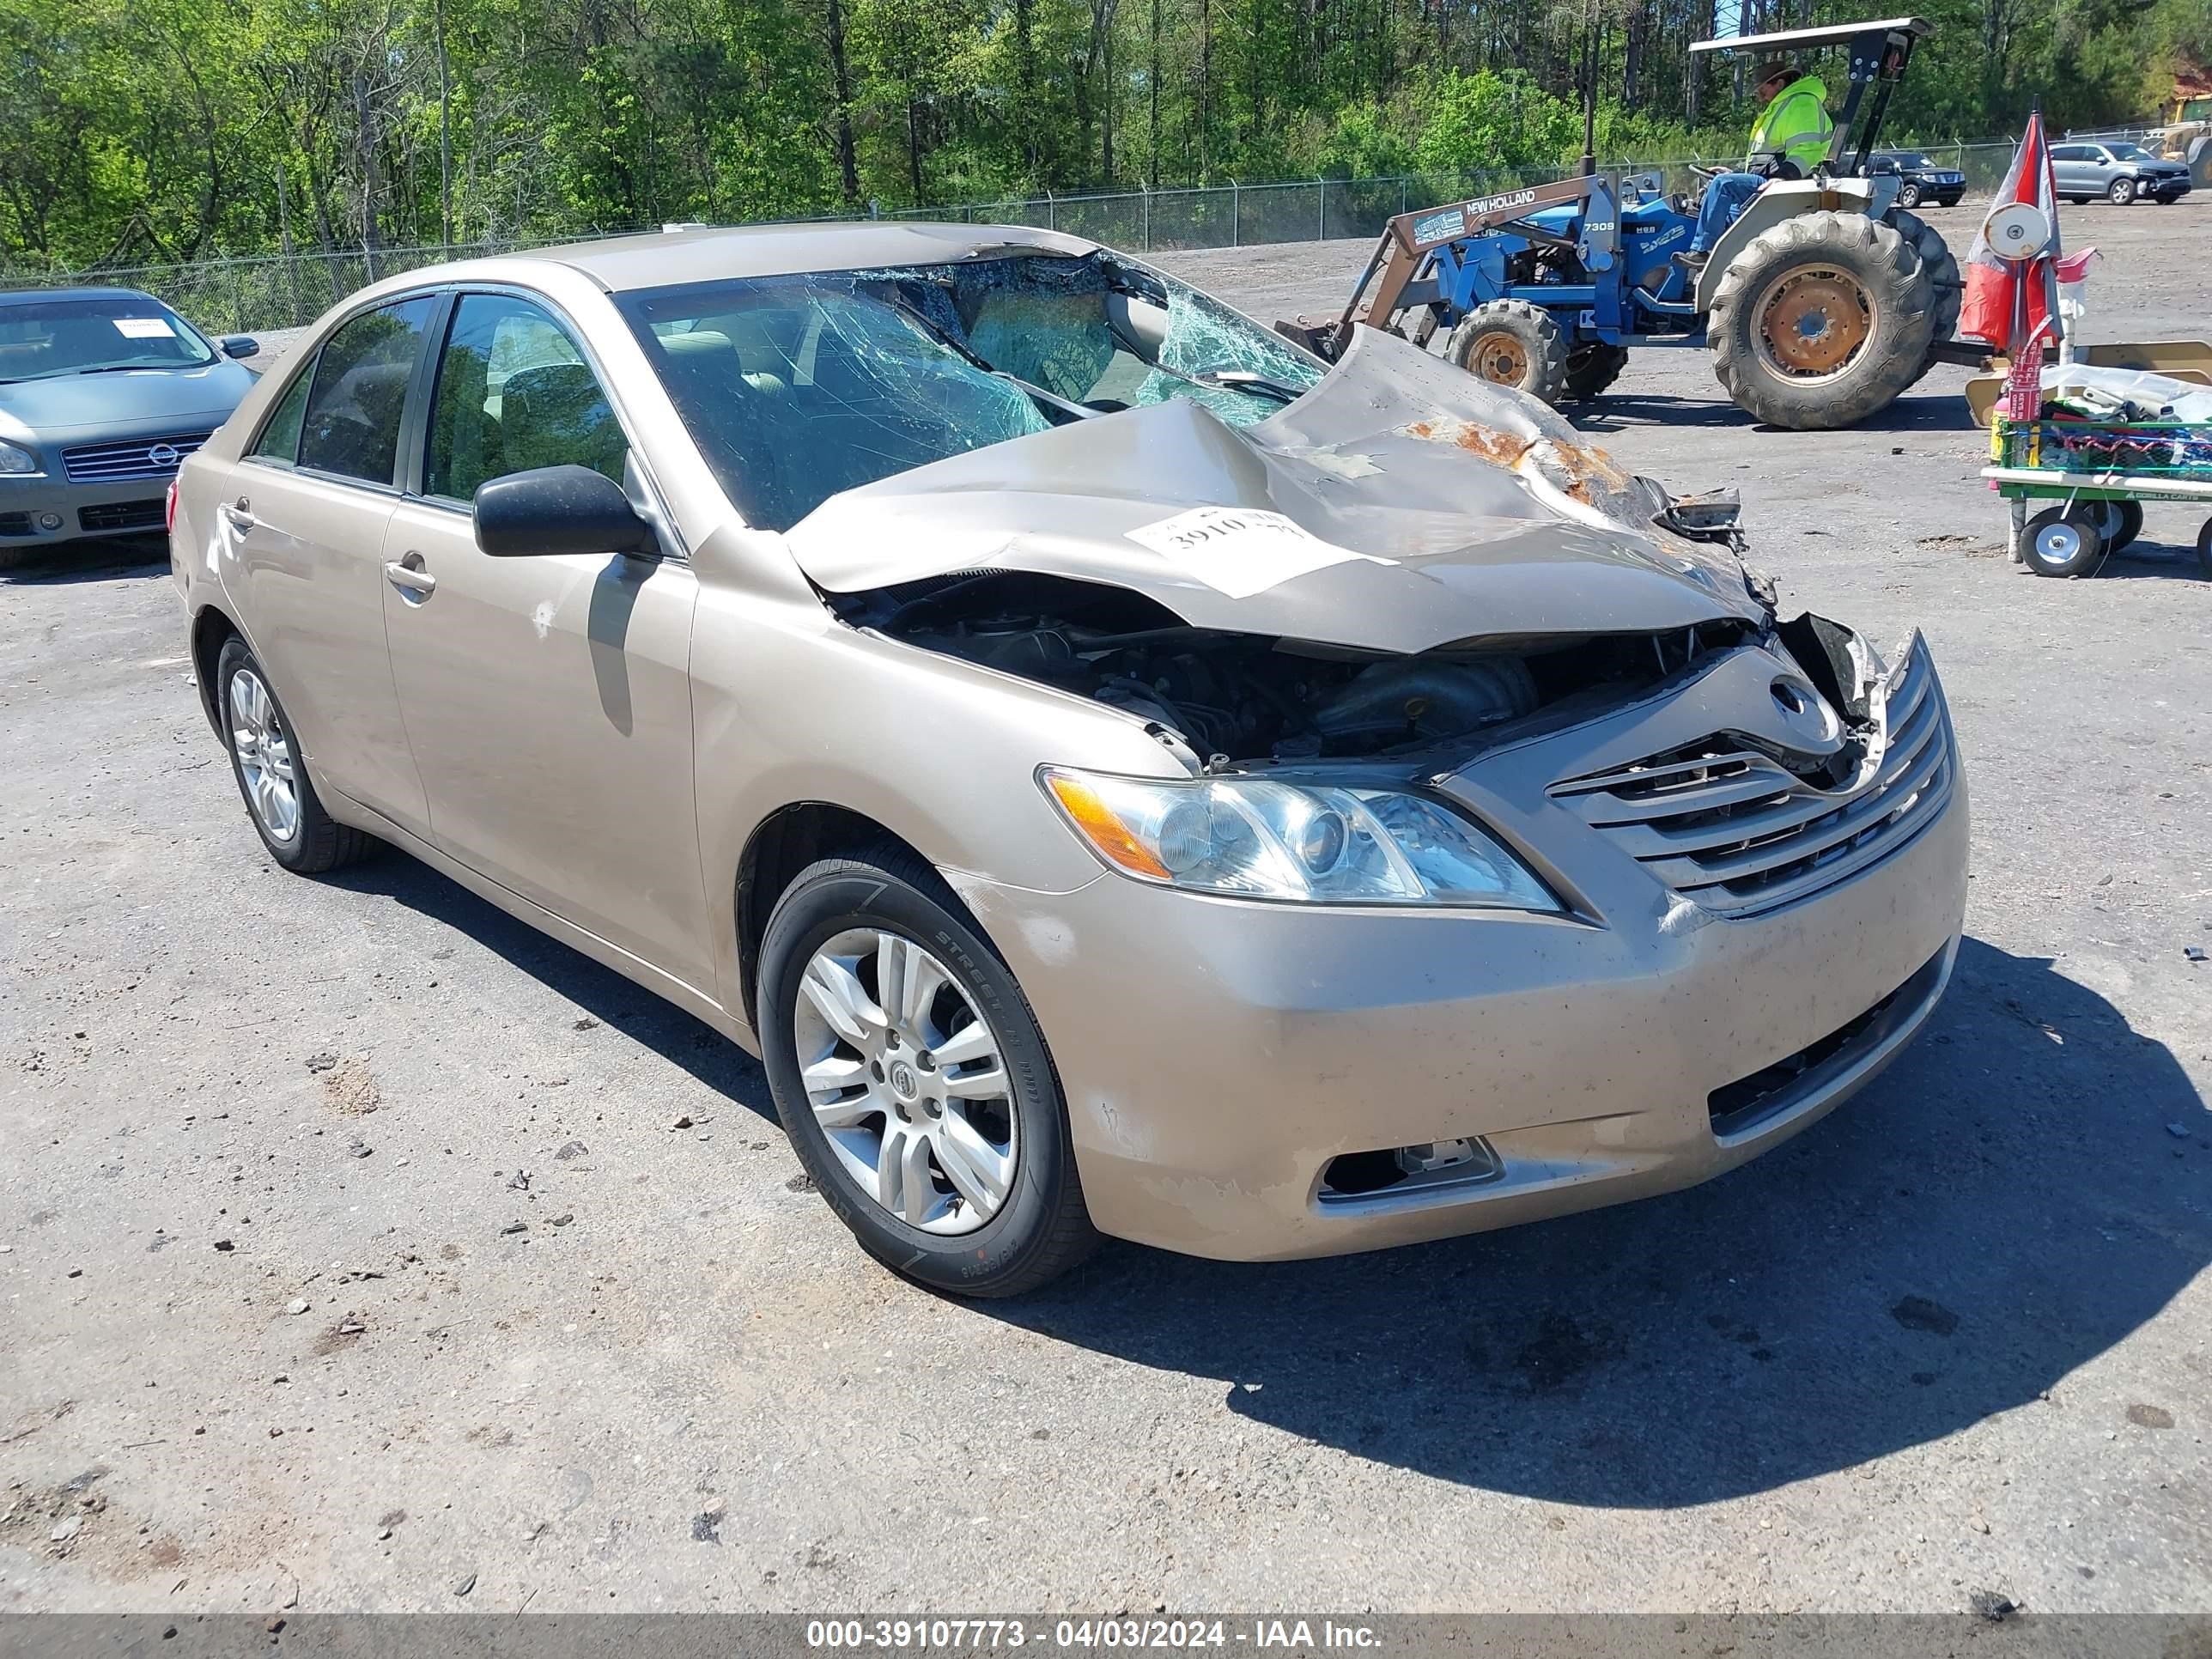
(1994,304)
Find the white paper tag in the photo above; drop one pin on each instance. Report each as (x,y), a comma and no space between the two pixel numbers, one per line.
(144,328)
(1242,550)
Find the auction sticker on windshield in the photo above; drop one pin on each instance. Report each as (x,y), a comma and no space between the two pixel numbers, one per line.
(1242,550)
(144,328)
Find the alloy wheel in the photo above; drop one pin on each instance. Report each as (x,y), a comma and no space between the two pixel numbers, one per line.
(905,1079)
(263,749)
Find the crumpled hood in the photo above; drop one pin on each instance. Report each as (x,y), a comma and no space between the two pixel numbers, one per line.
(128,400)
(1401,505)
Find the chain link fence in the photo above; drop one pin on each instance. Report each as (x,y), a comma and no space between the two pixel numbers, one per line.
(277,291)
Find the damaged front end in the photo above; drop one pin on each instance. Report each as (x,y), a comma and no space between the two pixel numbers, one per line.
(1401,559)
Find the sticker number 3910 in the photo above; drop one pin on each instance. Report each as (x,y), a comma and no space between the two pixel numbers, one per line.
(1242,550)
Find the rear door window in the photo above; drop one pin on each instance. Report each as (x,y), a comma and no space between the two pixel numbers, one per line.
(351,423)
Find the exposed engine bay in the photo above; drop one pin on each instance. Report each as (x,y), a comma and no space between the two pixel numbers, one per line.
(1224,697)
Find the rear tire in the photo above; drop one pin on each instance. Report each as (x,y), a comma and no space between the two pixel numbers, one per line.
(1592,369)
(1941,267)
(271,774)
(2118,523)
(2204,549)
(1033,1223)
(1511,342)
(2063,541)
(1821,321)
(2120,191)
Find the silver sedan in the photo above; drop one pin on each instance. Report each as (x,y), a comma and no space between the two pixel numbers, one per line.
(102,392)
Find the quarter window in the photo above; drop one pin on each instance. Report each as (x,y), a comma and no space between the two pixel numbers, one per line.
(352,419)
(280,438)
(513,393)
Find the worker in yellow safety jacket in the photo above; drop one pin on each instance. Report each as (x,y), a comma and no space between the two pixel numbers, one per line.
(1788,141)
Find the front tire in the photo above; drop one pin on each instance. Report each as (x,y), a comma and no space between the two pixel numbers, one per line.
(272,780)
(2063,541)
(1909,196)
(1821,321)
(2120,191)
(913,1081)
(1511,342)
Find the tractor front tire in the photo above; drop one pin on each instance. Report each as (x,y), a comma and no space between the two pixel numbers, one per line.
(1591,368)
(1821,321)
(1942,268)
(1511,342)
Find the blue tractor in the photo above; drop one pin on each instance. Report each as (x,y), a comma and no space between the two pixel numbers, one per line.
(1819,305)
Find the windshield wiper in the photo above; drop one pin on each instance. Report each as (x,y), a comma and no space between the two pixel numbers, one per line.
(120,368)
(1244,380)
(968,354)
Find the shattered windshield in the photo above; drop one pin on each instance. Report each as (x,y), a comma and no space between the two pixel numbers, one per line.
(797,387)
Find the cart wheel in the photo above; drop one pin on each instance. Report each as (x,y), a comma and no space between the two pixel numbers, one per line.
(2060,543)
(2204,549)
(2118,523)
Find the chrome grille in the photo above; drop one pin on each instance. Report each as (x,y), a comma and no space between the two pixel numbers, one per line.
(1734,829)
(104,463)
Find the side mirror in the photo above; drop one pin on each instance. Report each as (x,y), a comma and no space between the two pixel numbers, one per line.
(559,509)
(240,345)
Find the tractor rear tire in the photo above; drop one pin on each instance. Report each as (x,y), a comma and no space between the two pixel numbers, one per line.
(1942,268)
(1821,321)
(1511,342)
(1591,368)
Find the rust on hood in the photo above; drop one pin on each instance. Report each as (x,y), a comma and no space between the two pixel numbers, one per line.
(1571,467)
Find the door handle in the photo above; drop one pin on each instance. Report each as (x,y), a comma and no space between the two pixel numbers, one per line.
(241,515)
(409,577)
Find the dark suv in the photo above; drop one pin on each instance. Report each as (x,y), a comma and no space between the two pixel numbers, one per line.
(1921,180)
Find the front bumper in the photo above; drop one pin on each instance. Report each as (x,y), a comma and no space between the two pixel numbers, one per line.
(2164,189)
(127,507)
(1218,1056)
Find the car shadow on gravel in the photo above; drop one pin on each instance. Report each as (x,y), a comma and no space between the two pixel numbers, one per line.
(82,561)
(2003,1205)
(602,993)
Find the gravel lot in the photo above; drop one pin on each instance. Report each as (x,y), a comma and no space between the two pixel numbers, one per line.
(268,1331)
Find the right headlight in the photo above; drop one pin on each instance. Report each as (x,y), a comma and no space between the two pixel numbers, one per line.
(15,461)
(1307,842)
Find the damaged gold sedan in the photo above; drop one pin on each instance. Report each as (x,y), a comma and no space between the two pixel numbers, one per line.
(1121,774)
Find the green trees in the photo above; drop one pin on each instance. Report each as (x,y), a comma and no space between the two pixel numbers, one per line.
(147,131)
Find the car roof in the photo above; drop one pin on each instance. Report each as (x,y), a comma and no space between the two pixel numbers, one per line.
(29,295)
(674,258)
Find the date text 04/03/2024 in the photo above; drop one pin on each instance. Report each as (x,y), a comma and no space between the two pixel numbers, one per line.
(921,1635)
